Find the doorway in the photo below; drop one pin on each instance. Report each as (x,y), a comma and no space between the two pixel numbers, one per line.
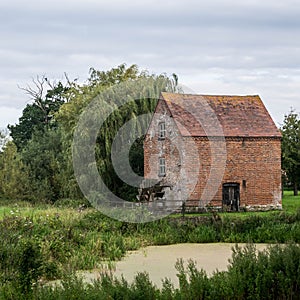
(231,196)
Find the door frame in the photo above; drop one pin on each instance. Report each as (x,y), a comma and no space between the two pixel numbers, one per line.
(231,204)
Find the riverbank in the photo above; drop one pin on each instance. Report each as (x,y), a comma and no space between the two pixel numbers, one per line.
(271,274)
(44,243)
(159,261)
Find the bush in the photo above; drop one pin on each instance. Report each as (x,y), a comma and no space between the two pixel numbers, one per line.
(271,274)
(29,265)
(66,242)
(203,234)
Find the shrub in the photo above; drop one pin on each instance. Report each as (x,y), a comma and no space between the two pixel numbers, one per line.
(203,234)
(28,265)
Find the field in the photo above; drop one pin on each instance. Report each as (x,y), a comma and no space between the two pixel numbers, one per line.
(290,202)
(41,242)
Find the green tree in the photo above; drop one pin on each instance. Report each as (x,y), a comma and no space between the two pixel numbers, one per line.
(38,115)
(38,140)
(14,181)
(106,85)
(44,135)
(291,149)
(43,157)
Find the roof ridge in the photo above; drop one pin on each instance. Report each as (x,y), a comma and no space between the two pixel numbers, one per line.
(212,95)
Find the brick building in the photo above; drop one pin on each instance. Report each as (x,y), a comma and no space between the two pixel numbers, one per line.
(220,151)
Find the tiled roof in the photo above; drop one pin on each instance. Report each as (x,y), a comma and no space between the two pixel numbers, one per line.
(202,115)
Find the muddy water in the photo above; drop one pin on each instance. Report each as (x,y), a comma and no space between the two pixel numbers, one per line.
(159,261)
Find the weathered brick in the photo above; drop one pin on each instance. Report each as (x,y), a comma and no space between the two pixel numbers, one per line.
(252,161)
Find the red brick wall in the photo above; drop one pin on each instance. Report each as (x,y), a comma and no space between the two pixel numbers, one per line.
(256,161)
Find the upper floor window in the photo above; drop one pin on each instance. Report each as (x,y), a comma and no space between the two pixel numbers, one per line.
(162,130)
(162,166)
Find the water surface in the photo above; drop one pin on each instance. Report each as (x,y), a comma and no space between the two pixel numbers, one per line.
(159,261)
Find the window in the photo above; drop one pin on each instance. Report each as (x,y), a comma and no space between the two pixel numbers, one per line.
(162,166)
(162,130)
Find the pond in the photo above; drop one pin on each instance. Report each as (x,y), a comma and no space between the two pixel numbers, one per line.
(159,261)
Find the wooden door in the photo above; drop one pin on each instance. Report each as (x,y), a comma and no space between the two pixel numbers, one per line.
(231,196)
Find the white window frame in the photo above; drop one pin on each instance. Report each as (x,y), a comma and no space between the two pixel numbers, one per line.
(162,130)
(162,166)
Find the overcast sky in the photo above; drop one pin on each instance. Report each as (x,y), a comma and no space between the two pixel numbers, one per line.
(215,47)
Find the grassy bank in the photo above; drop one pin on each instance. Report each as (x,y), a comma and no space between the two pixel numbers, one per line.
(42,242)
(271,274)
(290,203)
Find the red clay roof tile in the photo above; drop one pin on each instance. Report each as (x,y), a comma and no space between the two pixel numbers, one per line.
(239,116)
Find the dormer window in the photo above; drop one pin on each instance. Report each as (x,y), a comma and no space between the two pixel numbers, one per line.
(162,130)
(162,166)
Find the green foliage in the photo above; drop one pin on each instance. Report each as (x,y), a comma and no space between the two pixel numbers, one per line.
(29,264)
(38,115)
(203,234)
(32,118)
(110,88)
(113,76)
(44,134)
(43,157)
(14,181)
(271,274)
(290,149)
(46,243)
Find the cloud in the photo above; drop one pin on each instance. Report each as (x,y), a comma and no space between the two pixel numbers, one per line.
(234,47)
(10,114)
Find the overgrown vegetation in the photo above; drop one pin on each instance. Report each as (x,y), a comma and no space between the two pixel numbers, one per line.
(48,231)
(290,150)
(271,274)
(36,165)
(42,242)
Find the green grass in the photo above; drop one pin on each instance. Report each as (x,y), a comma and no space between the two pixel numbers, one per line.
(290,203)
(59,239)
(9,208)
(69,239)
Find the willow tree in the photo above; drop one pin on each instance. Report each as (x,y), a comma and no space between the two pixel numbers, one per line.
(108,87)
(43,137)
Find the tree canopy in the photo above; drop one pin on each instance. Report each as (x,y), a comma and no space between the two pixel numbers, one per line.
(41,147)
(37,164)
(38,115)
(291,149)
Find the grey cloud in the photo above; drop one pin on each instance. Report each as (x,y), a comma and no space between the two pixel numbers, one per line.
(239,39)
